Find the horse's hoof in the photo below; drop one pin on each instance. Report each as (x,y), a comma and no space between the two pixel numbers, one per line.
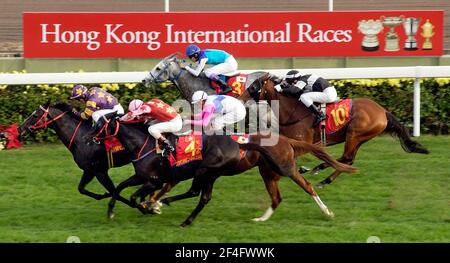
(320,185)
(184,225)
(110,215)
(258,219)
(142,209)
(303,169)
(315,171)
(156,211)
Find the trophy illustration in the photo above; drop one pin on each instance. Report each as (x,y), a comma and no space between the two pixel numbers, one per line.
(411,24)
(427,33)
(370,28)
(392,37)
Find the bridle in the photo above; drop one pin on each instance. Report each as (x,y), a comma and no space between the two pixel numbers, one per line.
(105,129)
(165,69)
(43,121)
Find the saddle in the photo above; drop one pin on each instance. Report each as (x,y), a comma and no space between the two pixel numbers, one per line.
(235,80)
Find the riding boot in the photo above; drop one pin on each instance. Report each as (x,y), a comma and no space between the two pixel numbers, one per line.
(222,85)
(166,145)
(319,114)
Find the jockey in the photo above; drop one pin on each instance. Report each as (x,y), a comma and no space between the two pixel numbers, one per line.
(170,120)
(217,110)
(222,61)
(308,89)
(98,102)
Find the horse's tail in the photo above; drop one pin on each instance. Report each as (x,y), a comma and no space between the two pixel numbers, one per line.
(266,156)
(394,127)
(301,148)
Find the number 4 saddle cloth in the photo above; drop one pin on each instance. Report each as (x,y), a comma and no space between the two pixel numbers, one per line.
(189,148)
(338,115)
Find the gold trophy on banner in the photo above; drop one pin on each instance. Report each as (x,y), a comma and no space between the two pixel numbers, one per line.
(427,33)
(370,28)
(411,25)
(392,37)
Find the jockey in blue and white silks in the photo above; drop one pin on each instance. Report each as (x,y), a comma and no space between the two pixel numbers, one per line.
(223,63)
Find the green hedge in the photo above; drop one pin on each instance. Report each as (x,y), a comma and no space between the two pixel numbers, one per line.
(19,101)
(396,95)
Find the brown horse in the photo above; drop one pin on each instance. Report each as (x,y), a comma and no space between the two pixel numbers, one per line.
(295,121)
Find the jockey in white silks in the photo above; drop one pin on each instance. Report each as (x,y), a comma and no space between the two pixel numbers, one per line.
(217,110)
(308,89)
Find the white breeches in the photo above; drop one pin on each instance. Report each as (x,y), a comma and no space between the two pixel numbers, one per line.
(98,114)
(230,65)
(174,125)
(328,95)
(221,120)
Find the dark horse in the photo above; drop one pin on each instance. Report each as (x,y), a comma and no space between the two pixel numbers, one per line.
(295,121)
(221,156)
(71,130)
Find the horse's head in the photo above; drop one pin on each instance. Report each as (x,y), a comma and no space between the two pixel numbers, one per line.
(36,120)
(106,127)
(256,88)
(167,69)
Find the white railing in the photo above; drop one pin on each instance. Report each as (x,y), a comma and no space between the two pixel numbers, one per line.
(329,73)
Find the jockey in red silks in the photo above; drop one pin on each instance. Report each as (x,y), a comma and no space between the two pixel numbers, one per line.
(170,120)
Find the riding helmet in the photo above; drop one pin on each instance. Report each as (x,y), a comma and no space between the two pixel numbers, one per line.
(292,75)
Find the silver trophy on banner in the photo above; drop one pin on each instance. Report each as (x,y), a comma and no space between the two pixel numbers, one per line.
(392,37)
(411,24)
(370,28)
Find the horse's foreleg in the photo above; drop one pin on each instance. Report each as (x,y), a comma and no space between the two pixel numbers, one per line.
(303,183)
(154,204)
(86,178)
(104,179)
(132,181)
(192,192)
(146,189)
(271,182)
(195,189)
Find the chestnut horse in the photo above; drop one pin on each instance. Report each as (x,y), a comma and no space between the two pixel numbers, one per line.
(221,157)
(369,120)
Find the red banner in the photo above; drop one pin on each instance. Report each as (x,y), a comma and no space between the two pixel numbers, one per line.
(243,34)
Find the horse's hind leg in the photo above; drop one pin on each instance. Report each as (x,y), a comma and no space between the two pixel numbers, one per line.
(204,199)
(350,150)
(303,183)
(271,181)
(86,178)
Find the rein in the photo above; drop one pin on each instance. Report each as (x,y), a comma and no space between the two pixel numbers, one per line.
(288,123)
(107,136)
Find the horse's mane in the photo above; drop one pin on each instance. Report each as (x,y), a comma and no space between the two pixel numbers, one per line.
(62,106)
(140,126)
(174,55)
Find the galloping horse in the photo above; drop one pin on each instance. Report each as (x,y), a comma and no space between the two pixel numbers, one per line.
(71,130)
(169,69)
(221,156)
(295,121)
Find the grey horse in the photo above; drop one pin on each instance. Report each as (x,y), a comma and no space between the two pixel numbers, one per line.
(169,69)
